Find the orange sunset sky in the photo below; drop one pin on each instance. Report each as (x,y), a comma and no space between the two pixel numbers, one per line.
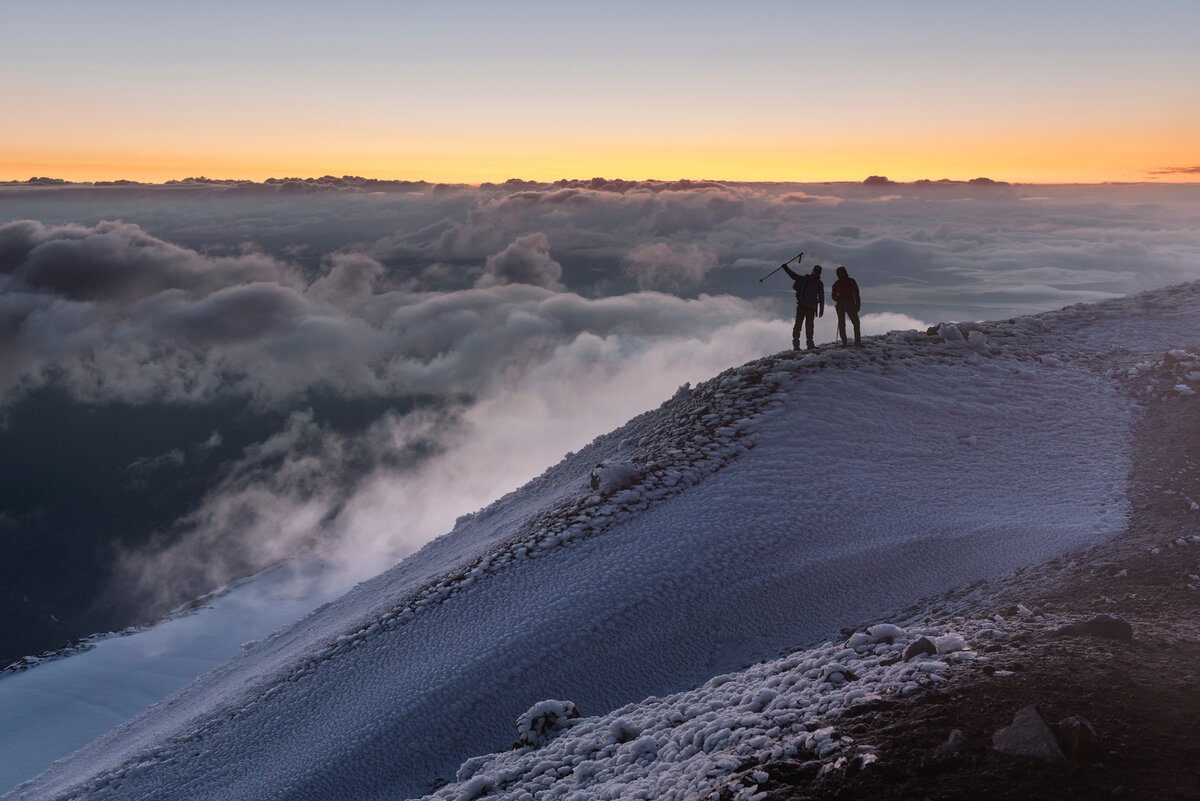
(470,92)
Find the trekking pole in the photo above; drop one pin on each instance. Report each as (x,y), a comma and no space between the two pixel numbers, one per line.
(780,267)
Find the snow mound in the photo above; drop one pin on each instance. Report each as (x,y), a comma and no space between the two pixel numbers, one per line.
(544,720)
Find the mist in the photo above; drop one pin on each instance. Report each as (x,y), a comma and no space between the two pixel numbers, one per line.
(342,368)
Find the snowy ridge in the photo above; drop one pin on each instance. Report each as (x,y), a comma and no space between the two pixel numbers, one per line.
(692,554)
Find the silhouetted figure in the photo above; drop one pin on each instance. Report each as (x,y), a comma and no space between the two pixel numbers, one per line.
(810,303)
(846,300)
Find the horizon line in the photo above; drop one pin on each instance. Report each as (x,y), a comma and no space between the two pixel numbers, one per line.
(350,180)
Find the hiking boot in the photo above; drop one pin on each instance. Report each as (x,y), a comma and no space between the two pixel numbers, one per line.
(811,346)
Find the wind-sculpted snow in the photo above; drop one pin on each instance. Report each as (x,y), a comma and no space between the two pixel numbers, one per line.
(747,516)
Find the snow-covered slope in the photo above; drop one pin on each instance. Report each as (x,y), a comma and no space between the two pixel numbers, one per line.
(754,513)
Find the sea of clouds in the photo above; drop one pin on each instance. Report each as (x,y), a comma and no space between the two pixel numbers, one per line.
(373,359)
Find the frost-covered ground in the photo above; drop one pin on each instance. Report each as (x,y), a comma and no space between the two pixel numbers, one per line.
(750,515)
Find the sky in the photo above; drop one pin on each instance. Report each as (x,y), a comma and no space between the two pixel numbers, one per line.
(468,92)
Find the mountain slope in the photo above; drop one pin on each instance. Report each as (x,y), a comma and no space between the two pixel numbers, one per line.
(754,513)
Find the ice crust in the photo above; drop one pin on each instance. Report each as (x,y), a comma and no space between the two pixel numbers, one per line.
(759,511)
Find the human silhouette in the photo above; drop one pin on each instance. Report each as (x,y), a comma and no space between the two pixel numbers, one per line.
(847,302)
(810,303)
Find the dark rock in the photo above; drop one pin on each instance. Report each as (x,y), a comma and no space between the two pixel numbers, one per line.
(1174,357)
(959,740)
(868,707)
(793,773)
(939,765)
(1108,626)
(1030,736)
(1078,739)
(922,645)
(872,773)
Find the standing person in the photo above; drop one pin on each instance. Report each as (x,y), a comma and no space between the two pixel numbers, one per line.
(810,303)
(846,300)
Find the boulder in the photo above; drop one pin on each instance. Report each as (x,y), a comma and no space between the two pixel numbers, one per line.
(608,477)
(950,332)
(919,646)
(1029,736)
(1078,739)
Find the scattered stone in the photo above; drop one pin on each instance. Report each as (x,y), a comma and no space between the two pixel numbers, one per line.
(1108,626)
(1030,736)
(918,647)
(1078,739)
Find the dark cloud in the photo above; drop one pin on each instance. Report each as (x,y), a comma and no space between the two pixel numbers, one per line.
(116,261)
(525,261)
(351,279)
(1194,170)
(239,315)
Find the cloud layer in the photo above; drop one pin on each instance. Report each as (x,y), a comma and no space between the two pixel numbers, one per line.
(424,349)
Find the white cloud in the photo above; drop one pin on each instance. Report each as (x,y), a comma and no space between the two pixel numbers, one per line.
(669,266)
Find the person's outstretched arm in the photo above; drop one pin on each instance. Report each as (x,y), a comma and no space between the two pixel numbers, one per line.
(788,270)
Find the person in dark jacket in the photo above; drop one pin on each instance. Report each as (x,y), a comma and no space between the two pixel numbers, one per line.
(846,300)
(810,303)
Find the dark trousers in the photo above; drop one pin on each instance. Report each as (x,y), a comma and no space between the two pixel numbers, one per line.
(842,315)
(805,318)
